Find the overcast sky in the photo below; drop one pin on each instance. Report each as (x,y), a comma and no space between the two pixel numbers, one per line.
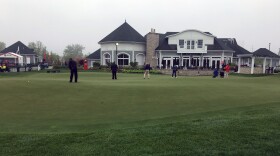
(58,23)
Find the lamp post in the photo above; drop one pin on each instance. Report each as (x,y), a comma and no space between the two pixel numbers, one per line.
(116,53)
(269,46)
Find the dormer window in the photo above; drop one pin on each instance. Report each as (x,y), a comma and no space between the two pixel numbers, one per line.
(181,43)
(192,46)
(199,43)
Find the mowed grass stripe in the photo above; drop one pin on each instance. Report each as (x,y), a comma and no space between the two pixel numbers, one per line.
(239,131)
(48,105)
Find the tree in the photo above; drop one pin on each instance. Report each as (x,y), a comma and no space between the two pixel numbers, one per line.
(2,46)
(39,47)
(74,51)
(54,59)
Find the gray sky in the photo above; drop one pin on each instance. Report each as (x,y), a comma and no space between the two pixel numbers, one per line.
(57,23)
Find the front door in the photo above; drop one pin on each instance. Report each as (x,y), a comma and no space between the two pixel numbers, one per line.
(166,63)
(186,62)
(216,63)
(206,62)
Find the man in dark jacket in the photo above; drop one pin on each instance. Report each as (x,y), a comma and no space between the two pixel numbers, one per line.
(114,69)
(174,71)
(147,71)
(73,70)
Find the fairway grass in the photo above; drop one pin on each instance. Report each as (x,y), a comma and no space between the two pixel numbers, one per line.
(44,114)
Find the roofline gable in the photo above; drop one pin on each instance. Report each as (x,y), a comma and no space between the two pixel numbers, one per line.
(190,30)
(124,32)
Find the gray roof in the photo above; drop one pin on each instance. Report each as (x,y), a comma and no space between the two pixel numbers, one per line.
(23,49)
(124,33)
(232,44)
(163,42)
(263,52)
(218,45)
(95,55)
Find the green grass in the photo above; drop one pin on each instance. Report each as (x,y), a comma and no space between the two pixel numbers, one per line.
(133,116)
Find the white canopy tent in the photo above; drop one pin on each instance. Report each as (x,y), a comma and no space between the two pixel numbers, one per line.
(10,56)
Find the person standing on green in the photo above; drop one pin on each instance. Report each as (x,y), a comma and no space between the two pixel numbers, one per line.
(73,70)
(147,71)
(174,71)
(114,69)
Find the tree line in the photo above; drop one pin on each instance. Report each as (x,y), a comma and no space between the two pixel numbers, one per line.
(74,51)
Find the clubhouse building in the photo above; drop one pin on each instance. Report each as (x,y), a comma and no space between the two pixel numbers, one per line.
(18,53)
(188,49)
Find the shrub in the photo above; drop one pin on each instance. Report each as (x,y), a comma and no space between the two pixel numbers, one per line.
(59,67)
(133,64)
(96,64)
(109,64)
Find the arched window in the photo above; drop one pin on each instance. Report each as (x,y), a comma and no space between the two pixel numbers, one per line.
(123,60)
(107,58)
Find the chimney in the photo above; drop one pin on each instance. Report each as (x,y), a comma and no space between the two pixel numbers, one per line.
(153,30)
(152,42)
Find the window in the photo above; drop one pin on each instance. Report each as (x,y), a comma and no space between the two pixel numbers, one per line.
(199,43)
(181,43)
(107,58)
(188,44)
(192,46)
(123,59)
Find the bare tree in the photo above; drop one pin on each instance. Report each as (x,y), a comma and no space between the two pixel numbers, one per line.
(39,47)
(74,51)
(54,58)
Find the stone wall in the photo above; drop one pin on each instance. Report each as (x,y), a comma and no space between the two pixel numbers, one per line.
(152,42)
(258,70)
(247,70)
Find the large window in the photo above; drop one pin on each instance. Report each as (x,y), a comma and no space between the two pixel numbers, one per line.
(107,58)
(199,43)
(181,43)
(190,44)
(123,60)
